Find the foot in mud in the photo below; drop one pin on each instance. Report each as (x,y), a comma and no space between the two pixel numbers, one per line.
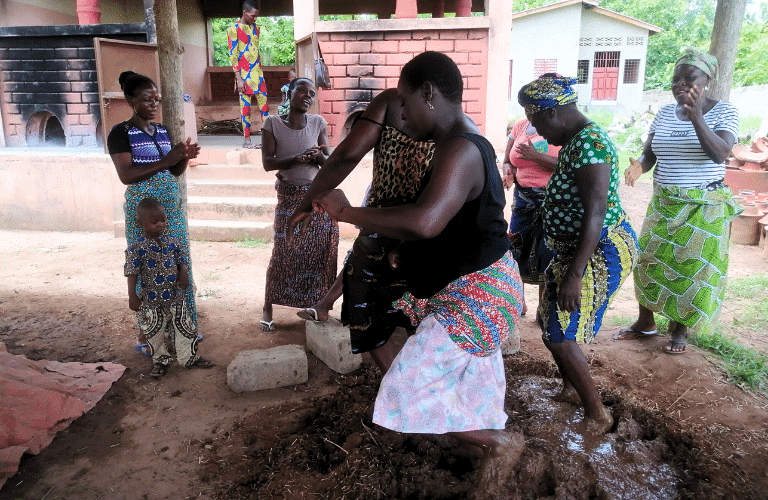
(498,466)
(601,423)
(567,395)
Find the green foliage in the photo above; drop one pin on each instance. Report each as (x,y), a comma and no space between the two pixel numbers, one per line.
(276,44)
(252,242)
(745,366)
(748,126)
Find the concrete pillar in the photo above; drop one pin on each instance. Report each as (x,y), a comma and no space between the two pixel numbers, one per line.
(88,12)
(464,9)
(500,14)
(305,13)
(406,9)
(438,8)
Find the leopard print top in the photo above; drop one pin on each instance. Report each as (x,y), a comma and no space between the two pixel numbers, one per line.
(399,167)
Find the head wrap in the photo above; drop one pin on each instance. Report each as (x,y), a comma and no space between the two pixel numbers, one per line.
(548,91)
(700,59)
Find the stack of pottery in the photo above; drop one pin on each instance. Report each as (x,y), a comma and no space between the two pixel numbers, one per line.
(746,228)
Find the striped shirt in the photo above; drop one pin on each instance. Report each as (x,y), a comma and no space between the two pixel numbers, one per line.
(680,159)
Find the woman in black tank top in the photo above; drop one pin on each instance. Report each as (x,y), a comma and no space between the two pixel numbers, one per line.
(454,238)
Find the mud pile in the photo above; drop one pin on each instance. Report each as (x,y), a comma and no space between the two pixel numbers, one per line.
(328,448)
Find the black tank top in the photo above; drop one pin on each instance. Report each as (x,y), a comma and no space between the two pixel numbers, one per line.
(474,238)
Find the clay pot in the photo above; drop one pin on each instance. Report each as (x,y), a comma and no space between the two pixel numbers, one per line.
(750,165)
(750,209)
(763,228)
(761,197)
(748,195)
(762,207)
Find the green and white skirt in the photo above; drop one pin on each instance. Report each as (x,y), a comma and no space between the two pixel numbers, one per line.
(681,272)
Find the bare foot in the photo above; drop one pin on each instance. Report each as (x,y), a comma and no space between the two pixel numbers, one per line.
(497,468)
(567,395)
(602,423)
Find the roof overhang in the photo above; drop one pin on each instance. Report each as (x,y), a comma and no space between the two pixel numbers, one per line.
(588,5)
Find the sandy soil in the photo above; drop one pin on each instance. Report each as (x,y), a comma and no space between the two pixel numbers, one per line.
(63,297)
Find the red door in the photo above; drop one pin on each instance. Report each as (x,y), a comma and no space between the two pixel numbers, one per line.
(605,76)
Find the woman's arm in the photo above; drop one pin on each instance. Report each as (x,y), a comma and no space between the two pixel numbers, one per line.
(644,163)
(458,175)
(131,173)
(509,172)
(528,151)
(345,157)
(716,145)
(592,182)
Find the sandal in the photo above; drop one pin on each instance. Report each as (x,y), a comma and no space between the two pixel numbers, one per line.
(267,326)
(158,371)
(202,363)
(310,314)
(673,347)
(630,333)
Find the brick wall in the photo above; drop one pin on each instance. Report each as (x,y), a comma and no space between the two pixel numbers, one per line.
(223,82)
(52,69)
(362,64)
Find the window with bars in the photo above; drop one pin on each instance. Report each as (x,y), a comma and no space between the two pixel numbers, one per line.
(582,71)
(631,70)
(607,59)
(541,66)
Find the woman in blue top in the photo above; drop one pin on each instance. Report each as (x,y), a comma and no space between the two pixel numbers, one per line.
(148,164)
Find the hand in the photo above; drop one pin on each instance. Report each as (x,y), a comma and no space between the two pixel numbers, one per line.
(509,178)
(191,149)
(633,172)
(134,303)
(239,85)
(304,219)
(332,202)
(393,258)
(693,103)
(183,282)
(177,153)
(527,151)
(569,294)
(311,155)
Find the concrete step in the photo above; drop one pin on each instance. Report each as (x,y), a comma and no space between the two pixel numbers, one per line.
(217,230)
(231,187)
(239,208)
(222,171)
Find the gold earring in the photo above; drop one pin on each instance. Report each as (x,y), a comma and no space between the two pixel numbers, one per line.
(429,103)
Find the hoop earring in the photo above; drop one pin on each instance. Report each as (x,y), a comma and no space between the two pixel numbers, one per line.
(429,103)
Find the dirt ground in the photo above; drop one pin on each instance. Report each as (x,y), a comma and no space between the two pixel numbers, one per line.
(683,430)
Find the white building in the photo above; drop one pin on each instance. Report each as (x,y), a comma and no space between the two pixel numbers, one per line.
(605,50)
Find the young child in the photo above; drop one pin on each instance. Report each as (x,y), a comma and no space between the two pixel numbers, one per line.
(156,261)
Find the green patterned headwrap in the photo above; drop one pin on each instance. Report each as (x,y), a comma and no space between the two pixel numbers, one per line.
(700,59)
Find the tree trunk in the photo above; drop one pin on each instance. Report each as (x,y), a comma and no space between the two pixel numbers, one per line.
(724,44)
(149,15)
(171,82)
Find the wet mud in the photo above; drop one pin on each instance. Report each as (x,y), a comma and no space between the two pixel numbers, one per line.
(328,448)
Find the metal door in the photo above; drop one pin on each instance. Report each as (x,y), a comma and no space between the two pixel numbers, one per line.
(605,76)
(112,58)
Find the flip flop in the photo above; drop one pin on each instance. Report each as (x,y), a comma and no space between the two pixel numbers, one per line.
(667,348)
(267,326)
(251,145)
(310,314)
(202,363)
(630,333)
(158,370)
(200,337)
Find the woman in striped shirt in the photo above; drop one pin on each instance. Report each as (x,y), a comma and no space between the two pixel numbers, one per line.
(684,241)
